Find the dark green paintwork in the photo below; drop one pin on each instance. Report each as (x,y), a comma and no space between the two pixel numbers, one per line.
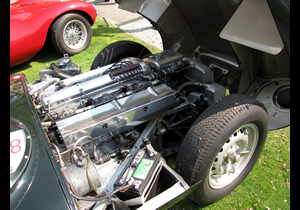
(42,185)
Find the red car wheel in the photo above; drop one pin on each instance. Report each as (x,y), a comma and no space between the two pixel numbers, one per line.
(71,34)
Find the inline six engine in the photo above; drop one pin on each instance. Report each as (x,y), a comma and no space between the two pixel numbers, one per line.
(96,120)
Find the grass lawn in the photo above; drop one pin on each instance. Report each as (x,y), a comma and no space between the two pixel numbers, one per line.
(101,38)
(268,184)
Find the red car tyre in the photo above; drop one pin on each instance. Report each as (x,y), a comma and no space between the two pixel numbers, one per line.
(71,34)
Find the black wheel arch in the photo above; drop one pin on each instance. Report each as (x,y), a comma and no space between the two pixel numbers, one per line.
(118,50)
(79,12)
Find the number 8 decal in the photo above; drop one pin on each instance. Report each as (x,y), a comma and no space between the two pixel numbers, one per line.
(15,147)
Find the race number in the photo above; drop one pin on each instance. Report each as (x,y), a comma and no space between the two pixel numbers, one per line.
(17,149)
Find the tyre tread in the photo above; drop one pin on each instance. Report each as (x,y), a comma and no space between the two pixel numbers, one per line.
(205,131)
(54,33)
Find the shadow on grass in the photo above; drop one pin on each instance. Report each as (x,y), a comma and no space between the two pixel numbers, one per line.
(46,55)
(187,203)
(101,30)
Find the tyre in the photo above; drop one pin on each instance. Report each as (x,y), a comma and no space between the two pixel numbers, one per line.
(222,146)
(118,50)
(71,34)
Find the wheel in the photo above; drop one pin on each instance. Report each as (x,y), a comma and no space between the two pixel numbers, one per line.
(71,34)
(222,146)
(118,50)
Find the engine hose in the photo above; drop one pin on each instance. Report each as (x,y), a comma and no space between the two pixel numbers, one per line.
(100,196)
(61,162)
(94,146)
(58,71)
(181,87)
(87,173)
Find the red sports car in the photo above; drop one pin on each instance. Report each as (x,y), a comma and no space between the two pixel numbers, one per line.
(67,23)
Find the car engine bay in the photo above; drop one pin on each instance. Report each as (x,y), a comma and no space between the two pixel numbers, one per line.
(104,125)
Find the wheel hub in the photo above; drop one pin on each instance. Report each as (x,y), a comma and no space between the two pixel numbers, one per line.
(75,34)
(233,156)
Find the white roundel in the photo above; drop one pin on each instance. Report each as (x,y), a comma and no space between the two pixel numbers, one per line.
(20,149)
(17,149)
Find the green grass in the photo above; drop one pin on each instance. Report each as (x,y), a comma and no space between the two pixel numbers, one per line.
(267,185)
(102,37)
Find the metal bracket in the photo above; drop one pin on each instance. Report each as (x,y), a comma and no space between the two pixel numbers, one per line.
(224,71)
(160,131)
(107,25)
